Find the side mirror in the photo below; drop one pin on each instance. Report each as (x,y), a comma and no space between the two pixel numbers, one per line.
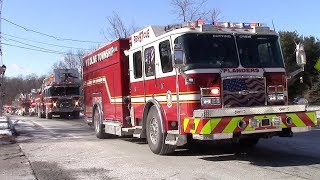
(178,56)
(300,54)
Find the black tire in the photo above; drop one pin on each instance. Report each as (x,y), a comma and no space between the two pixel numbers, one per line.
(245,144)
(76,114)
(40,114)
(98,125)
(64,116)
(155,137)
(48,115)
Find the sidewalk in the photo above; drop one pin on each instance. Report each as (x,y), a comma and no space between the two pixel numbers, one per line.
(13,162)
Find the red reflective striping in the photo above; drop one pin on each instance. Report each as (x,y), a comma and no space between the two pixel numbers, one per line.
(201,124)
(221,125)
(189,126)
(305,119)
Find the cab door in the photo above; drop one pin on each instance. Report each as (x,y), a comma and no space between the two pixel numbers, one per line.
(137,86)
(166,79)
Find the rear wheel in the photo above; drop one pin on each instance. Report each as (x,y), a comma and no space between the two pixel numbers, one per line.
(76,115)
(98,125)
(155,137)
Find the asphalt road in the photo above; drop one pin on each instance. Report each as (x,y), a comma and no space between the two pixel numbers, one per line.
(68,149)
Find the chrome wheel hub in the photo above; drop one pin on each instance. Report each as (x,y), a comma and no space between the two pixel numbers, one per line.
(154,130)
(96,122)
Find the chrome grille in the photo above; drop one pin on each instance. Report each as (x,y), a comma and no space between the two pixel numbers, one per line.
(243,92)
(65,103)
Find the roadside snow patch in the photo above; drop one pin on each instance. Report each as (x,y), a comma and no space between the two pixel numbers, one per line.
(6,131)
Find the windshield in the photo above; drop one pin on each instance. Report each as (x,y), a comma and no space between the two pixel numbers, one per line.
(220,50)
(64,91)
(209,50)
(259,51)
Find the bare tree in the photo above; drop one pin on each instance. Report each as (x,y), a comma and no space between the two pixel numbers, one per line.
(71,60)
(59,65)
(214,15)
(17,85)
(189,10)
(117,29)
(79,56)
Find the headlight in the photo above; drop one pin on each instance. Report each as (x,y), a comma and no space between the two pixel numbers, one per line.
(212,91)
(209,101)
(272,97)
(280,97)
(54,104)
(275,89)
(275,97)
(206,101)
(76,103)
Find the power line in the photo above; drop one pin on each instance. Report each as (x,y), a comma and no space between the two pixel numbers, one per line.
(45,49)
(22,47)
(44,34)
(43,42)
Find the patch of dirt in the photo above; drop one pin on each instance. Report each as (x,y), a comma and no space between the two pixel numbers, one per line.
(5,139)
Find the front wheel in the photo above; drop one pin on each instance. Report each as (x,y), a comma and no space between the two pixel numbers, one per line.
(48,115)
(76,114)
(155,137)
(40,114)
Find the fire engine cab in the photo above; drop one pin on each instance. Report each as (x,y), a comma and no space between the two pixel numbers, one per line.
(60,95)
(198,80)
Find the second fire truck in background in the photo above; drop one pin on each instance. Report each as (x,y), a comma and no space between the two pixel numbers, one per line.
(60,94)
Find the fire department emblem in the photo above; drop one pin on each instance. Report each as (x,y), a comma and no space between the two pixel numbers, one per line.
(169,99)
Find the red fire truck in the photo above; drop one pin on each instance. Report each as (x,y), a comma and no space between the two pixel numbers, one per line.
(60,94)
(204,81)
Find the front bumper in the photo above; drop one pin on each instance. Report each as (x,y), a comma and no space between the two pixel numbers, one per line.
(65,110)
(224,123)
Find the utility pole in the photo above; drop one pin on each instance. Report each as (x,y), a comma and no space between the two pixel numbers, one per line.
(1,61)
(2,66)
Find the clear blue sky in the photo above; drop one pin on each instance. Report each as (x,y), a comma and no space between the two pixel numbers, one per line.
(85,20)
